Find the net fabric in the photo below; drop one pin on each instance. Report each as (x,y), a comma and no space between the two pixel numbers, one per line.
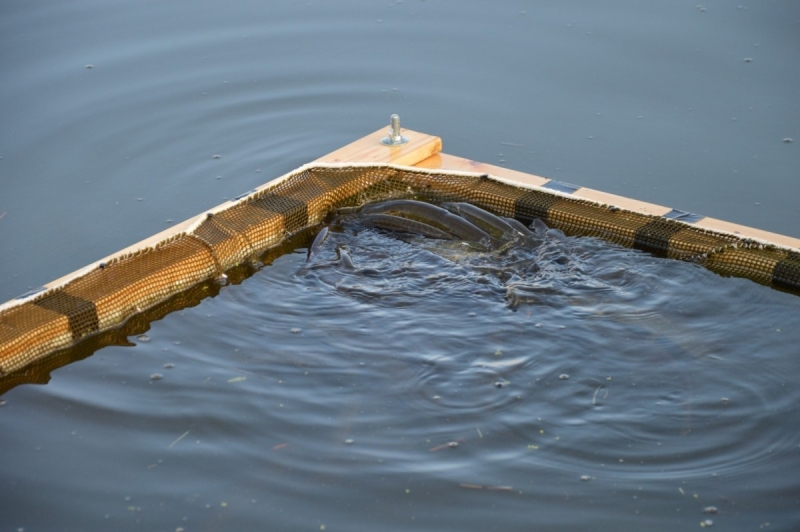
(103,298)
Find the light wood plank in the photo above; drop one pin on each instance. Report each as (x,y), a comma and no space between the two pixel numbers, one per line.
(451,162)
(622,202)
(749,232)
(369,149)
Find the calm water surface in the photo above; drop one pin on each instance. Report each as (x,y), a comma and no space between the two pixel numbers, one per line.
(316,396)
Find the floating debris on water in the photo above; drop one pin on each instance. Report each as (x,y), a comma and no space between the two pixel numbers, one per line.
(217,157)
(563,377)
(349,441)
(710,510)
(469,486)
(178,439)
(156,377)
(296,330)
(706,523)
(788,140)
(448,445)
(169,365)
(586,478)
(238,379)
(143,338)
(89,67)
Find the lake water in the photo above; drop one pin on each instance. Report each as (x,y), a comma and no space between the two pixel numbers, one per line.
(309,398)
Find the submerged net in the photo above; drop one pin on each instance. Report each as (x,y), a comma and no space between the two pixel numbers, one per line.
(35,326)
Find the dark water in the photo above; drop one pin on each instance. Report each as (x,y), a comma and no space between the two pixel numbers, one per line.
(681,390)
(569,386)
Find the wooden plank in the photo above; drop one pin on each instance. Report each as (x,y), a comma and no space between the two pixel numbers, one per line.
(449,162)
(622,202)
(369,149)
(748,232)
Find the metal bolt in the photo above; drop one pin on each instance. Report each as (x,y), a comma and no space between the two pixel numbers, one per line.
(395,138)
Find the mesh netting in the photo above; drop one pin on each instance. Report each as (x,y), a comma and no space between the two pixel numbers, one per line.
(33,327)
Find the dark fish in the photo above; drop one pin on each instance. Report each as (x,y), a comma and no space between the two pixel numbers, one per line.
(318,241)
(539,227)
(436,217)
(398,223)
(485,220)
(519,226)
(528,239)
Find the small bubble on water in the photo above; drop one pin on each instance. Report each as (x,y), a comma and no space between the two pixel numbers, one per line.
(2,402)
(143,338)
(349,441)
(295,330)
(725,400)
(156,377)
(452,444)
(710,510)
(586,478)
(563,376)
